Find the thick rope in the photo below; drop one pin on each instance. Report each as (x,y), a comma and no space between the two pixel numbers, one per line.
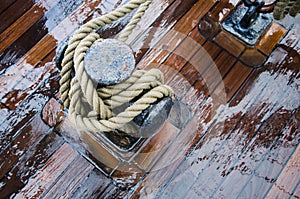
(284,7)
(91,108)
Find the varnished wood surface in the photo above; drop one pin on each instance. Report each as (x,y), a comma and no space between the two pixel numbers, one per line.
(241,137)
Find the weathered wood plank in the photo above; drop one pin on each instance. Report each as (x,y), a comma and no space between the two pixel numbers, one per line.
(251,132)
(4,4)
(297,192)
(246,166)
(47,175)
(215,134)
(34,159)
(271,166)
(92,186)
(222,9)
(160,27)
(229,42)
(174,37)
(147,156)
(174,155)
(4,111)
(27,110)
(231,82)
(218,69)
(269,138)
(150,186)
(30,83)
(13,12)
(70,180)
(44,25)
(127,175)
(288,179)
(113,192)
(15,150)
(45,46)
(204,96)
(182,54)
(270,39)
(22,24)
(163,169)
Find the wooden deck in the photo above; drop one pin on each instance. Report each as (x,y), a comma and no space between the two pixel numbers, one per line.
(235,135)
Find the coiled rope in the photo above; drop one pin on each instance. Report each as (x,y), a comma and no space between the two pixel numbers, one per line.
(284,7)
(91,108)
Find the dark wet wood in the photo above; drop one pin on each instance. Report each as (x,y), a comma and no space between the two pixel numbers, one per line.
(92,186)
(34,159)
(70,180)
(6,4)
(238,135)
(18,8)
(49,173)
(33,132)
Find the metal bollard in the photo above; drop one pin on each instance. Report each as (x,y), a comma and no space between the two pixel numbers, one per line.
(249,20)
(109,62)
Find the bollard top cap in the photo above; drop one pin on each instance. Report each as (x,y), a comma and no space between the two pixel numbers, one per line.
(109,62)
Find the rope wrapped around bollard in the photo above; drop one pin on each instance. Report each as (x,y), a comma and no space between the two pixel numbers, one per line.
(90,106)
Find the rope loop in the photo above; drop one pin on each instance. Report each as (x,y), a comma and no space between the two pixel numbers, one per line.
(90,107)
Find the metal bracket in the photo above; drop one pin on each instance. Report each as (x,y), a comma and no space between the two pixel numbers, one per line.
(247,22)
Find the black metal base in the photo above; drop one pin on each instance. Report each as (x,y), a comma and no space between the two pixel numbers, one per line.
(251,34)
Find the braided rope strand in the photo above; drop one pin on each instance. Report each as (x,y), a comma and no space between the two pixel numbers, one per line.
(91,108)
(82,32)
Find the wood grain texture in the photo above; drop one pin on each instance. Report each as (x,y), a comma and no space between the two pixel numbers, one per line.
(34,159)
(71,179)
(31,133)
(41,182)
(18,8)
(288,179)
(5,4)
(236,136)
(92,186)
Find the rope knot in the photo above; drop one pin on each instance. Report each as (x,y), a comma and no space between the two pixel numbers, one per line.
(106,94)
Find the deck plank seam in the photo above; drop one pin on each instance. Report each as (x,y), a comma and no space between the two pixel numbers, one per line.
(237,91)
(16,134)
(19,14)
(295,189)
(249,143)
(187,61)
(41,83)
(161,37)
(7,6)
(261,124)
(282,169)
(236,124)
(58,178)
(54,151)
(48,34)
(17,110)
(202,137)
(81,184)
(88,17)
(50,28)
(28,149)
(268,152)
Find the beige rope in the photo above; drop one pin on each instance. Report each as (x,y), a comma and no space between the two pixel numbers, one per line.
(91,108)
(284,7)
